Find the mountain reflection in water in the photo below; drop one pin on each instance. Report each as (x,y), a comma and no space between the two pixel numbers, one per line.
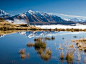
(42,47)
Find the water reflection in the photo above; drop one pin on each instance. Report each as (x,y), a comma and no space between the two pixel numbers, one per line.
(40,47)
(31,34)
(68,49)
(53,47)
(23,54)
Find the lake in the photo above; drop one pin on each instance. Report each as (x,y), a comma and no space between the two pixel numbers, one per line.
(10,44)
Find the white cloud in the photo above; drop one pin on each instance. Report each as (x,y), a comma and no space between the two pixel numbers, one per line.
(68,16)
(73,16)
(17,21)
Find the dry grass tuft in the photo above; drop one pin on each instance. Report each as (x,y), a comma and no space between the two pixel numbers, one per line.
(69,57)
(45,56)
(23,56)
(48,51)
(22,51)
(40,51)
(30,44)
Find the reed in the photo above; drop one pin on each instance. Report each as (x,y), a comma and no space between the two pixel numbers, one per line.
(30,44)
(22,51)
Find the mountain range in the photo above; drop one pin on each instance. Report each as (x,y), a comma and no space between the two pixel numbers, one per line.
(39,18)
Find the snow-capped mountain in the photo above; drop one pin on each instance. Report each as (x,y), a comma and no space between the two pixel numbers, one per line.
(3,14)
(36,17)
(32,16)
(77,20)
(31,34)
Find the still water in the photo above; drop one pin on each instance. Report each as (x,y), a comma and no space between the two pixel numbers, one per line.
(10,44)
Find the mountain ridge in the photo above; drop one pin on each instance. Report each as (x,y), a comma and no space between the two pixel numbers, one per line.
(36,17)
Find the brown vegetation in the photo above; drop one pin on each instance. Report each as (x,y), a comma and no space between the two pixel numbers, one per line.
(22,54)
(69,57)
(30,44)
(4,25)
(22,51)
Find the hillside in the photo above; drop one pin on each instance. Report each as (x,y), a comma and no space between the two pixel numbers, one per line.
(4,25)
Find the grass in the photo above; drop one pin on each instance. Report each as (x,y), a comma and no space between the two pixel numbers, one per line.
(48,51)
(40,51)
(80,48)
(47,38)
(83,40)
(60,48)
(23,56)
(45,56)
(71,46)
(38,39)
(84,49)
(28,55)
(30,44)
(40,45)
(69,57)
(77,43)
(4,25)
(22,51)
(61,56)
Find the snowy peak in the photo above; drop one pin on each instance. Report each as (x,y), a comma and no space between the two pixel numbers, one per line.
(77,20)
(35,17)
(3,14)
(30,11)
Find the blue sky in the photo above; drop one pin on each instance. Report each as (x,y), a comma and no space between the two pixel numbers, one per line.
(65,7)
